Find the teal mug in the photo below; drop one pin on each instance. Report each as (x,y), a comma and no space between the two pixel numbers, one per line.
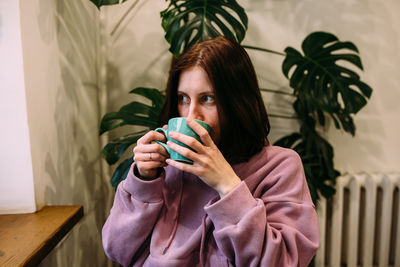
(179,125)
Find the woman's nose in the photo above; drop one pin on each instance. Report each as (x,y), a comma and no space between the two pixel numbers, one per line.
(195,113)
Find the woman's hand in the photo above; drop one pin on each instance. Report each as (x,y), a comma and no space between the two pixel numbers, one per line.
(150,156)
(208,162)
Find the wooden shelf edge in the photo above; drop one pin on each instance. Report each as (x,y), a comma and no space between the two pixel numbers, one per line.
(53,240)
(26,239)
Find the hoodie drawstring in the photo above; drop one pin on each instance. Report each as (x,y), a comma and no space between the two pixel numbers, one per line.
(178,212)
(204,231)
(203,240)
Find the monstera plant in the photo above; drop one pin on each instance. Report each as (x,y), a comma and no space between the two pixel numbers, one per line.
(187,22)
(323,88)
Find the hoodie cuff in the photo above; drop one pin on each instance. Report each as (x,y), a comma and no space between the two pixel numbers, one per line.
(143,190)
(232,208)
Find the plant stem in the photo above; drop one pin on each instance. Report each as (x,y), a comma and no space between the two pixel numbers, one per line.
(275,91)
(282,116)
(264,50)
(203,20)
(124,16)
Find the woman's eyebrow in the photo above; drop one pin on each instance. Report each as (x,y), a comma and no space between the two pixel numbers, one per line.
(206,92)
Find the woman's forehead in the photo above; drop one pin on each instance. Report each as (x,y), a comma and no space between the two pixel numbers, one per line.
(194,80)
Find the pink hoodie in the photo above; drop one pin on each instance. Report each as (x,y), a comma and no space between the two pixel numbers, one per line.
(177,220)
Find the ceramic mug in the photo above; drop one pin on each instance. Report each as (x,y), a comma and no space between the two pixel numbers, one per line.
(179,125)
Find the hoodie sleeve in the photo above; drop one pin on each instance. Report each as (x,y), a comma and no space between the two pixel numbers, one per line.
(277,228)
(137,204)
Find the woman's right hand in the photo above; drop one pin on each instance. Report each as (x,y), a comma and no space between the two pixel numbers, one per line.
(149,157)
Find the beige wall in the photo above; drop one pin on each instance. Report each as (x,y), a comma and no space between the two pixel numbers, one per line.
(138,57)
(373,26)
(61,47)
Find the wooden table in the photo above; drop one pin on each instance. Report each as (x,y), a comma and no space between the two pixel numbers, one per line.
(25,239)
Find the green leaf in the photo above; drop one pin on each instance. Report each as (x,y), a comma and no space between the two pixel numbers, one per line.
(100,3)
(153,94)
(289,140)
(128,115)
(293,57)
(114,150)
(317,158)
(121,172)
(188,22)
(135,113)
(325,87)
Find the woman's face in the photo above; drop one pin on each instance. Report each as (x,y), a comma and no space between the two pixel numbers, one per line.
(196,99)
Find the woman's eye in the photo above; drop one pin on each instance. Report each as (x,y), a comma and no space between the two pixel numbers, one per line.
(183,99)
(208,99)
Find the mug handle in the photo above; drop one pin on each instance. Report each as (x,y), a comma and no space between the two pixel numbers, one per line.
(163,131)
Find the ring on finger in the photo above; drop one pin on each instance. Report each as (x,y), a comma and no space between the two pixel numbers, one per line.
(150,156)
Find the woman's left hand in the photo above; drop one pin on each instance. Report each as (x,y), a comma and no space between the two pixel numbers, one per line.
(208,162)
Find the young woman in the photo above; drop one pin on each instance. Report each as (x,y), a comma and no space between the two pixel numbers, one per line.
(243,202)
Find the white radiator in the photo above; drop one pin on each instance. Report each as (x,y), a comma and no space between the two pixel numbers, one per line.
(360,225)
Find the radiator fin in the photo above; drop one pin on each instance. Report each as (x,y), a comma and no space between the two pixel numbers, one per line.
(360,226)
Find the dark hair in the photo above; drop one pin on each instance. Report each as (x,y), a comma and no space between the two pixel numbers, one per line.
(243,119)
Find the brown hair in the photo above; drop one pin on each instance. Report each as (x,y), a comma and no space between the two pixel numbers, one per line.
(243,119)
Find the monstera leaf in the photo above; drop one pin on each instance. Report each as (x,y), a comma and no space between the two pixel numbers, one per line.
(135,113)
(322,84)
(121,172)
(187,22)
(317,158)
(100,3)
(114,150)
